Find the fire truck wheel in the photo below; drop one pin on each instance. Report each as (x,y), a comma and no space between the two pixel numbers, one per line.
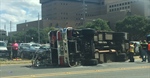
(93,62)
(88,31)
(122,57)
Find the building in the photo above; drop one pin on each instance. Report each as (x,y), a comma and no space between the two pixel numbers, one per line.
(69,12)
(3,34)
(119,9)
(64,13)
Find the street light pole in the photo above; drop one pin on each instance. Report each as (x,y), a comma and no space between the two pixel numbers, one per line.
(38,29)
(11,53)
(6,31)
(84,11)
(25,29)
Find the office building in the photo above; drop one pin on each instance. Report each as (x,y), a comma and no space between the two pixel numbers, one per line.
(74,13)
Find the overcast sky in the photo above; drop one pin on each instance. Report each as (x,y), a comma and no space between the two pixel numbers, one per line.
(17,11)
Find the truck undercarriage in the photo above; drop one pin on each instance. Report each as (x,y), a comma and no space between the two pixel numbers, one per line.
(73,47)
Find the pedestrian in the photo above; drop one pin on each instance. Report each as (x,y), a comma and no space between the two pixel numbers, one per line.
(144,50)
(136,48)
(148,51)
(131,52)
(14,49)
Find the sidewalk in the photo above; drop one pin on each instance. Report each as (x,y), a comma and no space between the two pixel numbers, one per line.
(14,61)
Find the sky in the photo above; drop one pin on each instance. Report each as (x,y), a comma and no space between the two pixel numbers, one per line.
(17,11)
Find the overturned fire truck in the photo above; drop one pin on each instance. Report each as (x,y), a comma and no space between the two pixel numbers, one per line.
(73,47)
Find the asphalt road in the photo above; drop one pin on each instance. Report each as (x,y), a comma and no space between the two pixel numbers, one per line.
(106,70)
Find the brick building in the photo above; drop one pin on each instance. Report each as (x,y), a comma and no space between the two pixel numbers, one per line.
(75,13)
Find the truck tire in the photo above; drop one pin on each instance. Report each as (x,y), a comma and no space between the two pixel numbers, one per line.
(122,57)
(88,31)
(93,62)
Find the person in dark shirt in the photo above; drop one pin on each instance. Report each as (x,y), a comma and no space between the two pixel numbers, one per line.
(144,50)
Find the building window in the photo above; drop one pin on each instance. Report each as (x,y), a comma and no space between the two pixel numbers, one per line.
(128,2)
(120,4)
(117,4)
(117,9)
(128,6)
(112,9)
(110,6)
(102,3)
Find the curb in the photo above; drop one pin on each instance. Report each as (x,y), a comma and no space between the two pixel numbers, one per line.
(20,61)
(7,62)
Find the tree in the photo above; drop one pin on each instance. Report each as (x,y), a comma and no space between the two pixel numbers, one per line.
(31,35)
(98,24)
(135,25)
(44,34)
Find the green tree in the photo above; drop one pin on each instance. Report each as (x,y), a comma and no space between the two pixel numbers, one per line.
(31,35)
(135,25)
(98,24)
(44,34)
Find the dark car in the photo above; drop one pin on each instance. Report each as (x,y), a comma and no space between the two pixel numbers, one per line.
(41,56)
(26,51)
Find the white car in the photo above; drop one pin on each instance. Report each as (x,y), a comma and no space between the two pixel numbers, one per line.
(137,47)
(3,49)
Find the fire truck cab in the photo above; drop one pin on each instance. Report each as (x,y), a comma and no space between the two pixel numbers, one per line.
(72,47)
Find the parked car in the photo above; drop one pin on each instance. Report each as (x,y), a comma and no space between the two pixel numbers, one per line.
(3,50)
(26,51)
(137,46)
(41,56)
(35,45)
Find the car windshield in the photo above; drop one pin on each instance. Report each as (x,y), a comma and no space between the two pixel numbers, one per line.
(35,45)
(2,44)
(44,47)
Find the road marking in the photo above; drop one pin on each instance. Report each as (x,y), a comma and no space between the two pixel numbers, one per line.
(77,72)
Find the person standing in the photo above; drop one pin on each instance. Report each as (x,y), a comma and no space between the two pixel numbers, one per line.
(144,50)
(14,49)
(148,52)
(131,52)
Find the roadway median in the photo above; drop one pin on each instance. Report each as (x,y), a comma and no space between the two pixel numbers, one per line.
(14,61)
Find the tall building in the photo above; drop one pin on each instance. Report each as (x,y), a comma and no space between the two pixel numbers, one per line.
(69,12)
(120,9)
(64,13)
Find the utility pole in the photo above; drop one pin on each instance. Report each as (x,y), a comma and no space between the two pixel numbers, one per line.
(84,11)
(25,29)
(38,29)
(6,31)
(11,53)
